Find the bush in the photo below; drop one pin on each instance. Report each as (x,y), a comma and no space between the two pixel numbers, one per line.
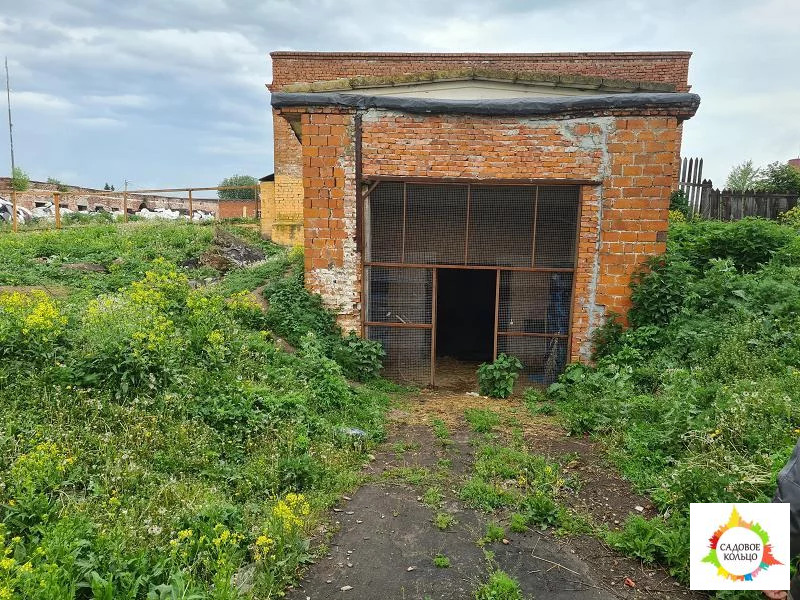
(660,293)
(679,204)
(360,359)
(497,379)
(791,217)
(750,242)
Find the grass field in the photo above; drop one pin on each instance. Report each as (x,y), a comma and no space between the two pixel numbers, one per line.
(165,433)
(155,441)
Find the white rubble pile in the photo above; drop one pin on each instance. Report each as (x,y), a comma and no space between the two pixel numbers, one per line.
(7,212)
(172,215)
(47,212)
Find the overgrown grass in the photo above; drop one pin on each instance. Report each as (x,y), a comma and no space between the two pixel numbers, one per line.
(153,438)
(697,400)
(481,420)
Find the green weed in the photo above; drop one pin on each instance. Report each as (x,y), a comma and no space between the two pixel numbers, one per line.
(494,532)
(433,497)
(518,523)
(440,561)
(444,521)
(499,586)
(441,432)
(481,420)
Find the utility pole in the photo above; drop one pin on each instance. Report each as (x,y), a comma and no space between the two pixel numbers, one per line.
(10,126)
(11,141)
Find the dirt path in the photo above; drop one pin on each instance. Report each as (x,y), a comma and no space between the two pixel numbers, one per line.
(386,538)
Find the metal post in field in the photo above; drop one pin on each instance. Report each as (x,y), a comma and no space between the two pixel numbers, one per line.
(191,210)
(125,203)
(13,207)
(57,206)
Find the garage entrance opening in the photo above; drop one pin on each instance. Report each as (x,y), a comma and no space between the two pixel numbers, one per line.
(455,273)
(465,314)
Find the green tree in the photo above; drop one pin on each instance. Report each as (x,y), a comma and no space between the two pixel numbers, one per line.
(20,180)
(244,194)
(743,177)
(779,178)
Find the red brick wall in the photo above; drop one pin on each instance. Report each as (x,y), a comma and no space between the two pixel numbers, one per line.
(332,265)
(666,67)
(233,208)
(623,221)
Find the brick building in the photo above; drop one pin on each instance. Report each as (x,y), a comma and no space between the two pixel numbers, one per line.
(455,206)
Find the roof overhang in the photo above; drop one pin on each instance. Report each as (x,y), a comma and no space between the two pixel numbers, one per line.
(681,105)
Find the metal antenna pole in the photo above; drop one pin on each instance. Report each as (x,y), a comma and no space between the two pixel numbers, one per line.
(10,126)
(14,216)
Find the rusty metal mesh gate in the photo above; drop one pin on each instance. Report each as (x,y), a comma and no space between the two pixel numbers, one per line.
(526,234)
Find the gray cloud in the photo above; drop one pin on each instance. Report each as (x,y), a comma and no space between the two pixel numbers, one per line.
(171,92)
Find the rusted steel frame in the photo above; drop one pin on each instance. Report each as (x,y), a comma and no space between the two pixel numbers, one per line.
(399,325)
(183,189)
(435,275)
(365,275)
(371,188)
(560,336)
(405,215)
(577,248)
(468,267)
(535,218)
(474,181)
(466,228)
(359,191)
(496,313)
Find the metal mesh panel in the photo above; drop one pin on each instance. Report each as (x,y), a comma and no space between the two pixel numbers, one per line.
(543,358)
(408,352)
(436,222)
(399,295)
(556,224)
(501,225)
(385,222)
(535,302)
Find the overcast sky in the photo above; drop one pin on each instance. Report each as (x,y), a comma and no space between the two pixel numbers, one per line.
(171,92)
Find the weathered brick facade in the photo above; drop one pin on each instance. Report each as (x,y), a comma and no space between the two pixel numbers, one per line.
(628,159)
(667,67)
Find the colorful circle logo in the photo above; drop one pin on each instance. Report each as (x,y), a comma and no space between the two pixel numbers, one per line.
(740,549)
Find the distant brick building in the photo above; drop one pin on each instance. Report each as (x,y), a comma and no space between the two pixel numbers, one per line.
(230,209)
(464,205)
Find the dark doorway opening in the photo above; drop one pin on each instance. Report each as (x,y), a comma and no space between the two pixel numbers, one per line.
(465,309)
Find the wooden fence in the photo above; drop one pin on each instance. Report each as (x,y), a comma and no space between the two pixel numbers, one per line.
(728,205)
